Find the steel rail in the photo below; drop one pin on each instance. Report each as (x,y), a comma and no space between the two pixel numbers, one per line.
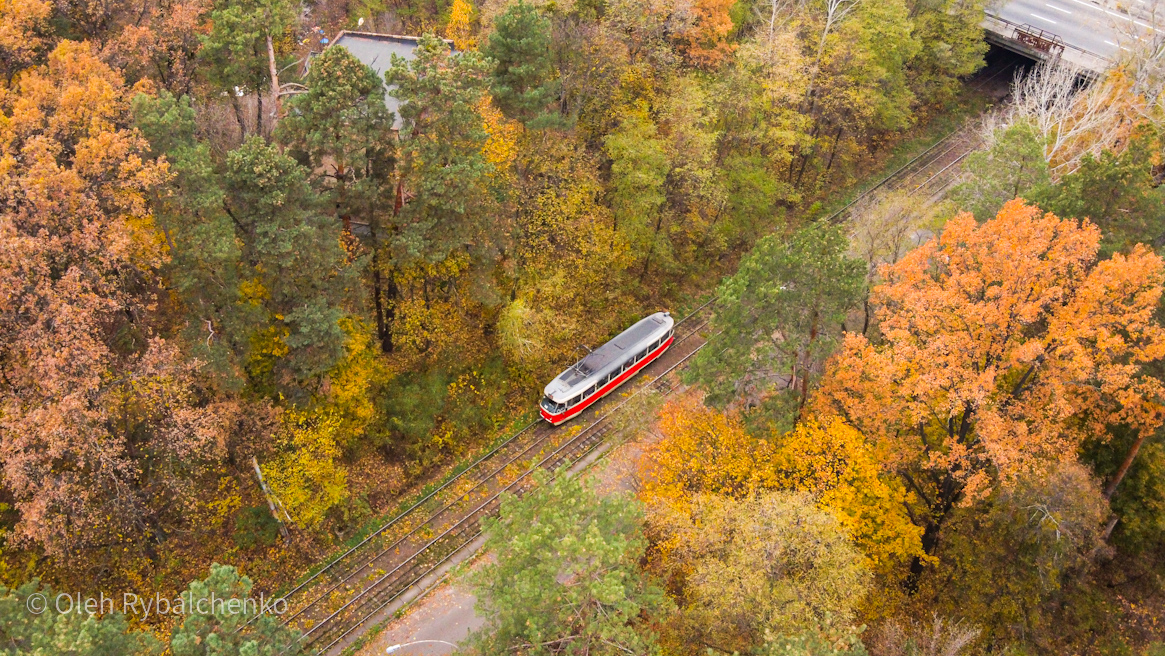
(903,183)
(883,181)
(392,522)
(461,497)
(592,441)
(900,170)
(944,169)
(394,545)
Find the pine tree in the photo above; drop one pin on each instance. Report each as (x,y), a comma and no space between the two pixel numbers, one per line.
(61,628)
(780,317)
(256,262)
(295,265)
(566,575)
(343,130)
(220,613)
(523,78)
(443,168)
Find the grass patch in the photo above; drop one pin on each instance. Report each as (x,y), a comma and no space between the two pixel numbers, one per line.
(968,107)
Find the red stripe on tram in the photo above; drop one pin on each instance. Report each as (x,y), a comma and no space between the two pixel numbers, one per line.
(586,403)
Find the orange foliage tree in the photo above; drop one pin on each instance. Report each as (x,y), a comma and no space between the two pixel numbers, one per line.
(706,43)
(163,43)
(1006,344)
(23,24)
(102,422)
(706,452)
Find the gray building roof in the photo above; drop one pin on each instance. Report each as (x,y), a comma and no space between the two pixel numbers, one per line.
(376,51)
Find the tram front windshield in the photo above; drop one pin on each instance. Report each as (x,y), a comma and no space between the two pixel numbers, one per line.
(552,407)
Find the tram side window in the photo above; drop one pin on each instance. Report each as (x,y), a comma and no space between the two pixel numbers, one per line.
(575,400)
(590,390)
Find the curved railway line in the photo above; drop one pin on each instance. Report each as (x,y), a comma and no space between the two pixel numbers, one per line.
(357,588)
(365,584)
(935,169)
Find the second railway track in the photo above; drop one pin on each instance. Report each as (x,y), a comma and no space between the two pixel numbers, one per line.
(935,169)
(353,591)
(356,589)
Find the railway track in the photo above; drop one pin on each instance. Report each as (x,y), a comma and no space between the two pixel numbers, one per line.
(359,587)
(935,170)
(330,608)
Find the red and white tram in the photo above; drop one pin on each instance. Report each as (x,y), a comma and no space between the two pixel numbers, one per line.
(607,367)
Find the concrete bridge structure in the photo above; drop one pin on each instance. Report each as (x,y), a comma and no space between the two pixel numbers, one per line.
(1088,34)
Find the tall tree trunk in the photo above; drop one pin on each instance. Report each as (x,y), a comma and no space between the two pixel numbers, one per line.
(239,114)
(382,330)
(833,151)
(274,82)
(805,373)
(866,312)
(947,495)
(651,250)
(1119,476)
(1107,533)
(259,115)
(270,497)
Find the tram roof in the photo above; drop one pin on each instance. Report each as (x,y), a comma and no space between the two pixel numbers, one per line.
(610,353)
(616,349)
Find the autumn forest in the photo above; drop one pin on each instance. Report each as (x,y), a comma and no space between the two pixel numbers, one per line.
(257,297)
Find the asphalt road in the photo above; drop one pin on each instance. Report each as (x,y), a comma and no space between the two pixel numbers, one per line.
(442,617)
(1093,26)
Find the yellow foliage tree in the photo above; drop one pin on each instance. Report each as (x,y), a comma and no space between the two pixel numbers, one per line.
(432,320)
(460,28)
(305,474)
(770,562)
(501,147)
(351,381)
(832,461)
(569,257)
(703,451)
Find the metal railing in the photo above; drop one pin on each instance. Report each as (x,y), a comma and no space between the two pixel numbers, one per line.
(1053,44)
